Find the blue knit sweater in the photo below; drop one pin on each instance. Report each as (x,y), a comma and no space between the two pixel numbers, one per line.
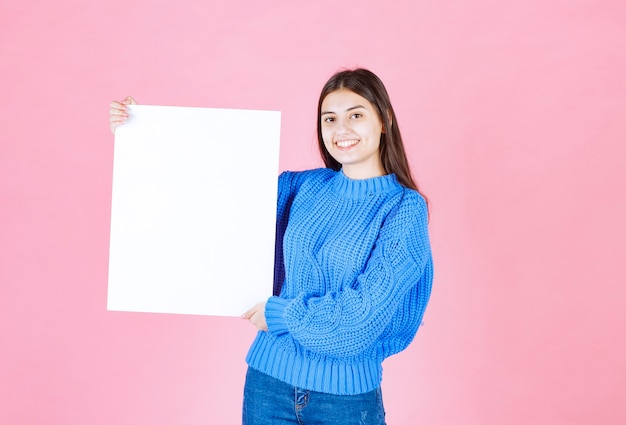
(355,273)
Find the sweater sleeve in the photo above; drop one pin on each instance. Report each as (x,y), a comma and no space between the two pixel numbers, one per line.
(346,322)
(285,196)
(288,185)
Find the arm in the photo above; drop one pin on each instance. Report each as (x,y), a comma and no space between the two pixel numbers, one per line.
(346,322)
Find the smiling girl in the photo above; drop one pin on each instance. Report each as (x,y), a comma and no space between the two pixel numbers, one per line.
(354,273)
(353,267)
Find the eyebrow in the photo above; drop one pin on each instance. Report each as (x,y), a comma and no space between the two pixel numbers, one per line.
(347,110)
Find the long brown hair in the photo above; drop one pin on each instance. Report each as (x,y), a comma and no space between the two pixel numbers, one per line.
(366,84)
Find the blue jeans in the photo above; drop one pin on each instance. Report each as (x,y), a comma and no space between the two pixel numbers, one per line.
(268,401)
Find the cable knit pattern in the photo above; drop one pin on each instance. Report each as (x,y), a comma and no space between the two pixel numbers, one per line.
(354,276)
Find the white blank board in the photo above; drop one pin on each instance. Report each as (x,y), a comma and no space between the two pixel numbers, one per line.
(193,210)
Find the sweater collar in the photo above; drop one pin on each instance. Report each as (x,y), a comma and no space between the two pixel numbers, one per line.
(348,187)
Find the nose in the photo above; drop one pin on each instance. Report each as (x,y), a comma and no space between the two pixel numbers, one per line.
(343,126)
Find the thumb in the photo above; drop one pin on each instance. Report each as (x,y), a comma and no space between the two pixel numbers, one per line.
(129,101)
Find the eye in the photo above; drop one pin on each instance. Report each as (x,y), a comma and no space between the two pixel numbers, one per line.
(356,115)
(329,119)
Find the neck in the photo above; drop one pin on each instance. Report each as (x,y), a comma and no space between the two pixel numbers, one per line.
(362,173)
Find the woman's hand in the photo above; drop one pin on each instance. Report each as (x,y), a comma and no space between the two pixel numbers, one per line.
(119,112)
(256,316)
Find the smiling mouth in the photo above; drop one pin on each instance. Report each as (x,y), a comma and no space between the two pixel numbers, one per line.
(346,143)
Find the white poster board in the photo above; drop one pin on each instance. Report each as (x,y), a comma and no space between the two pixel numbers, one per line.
(193,210)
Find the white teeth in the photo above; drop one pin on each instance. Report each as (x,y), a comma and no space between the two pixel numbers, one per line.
(346,143)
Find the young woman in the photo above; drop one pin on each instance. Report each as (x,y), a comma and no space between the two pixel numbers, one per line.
(353,269)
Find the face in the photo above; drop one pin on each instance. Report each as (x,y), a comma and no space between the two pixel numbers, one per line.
(351,130)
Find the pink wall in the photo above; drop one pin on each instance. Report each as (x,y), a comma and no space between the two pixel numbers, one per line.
(514,116)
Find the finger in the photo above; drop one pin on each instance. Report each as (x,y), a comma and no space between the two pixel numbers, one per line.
(122,105)
(118,105)
(118,116)
(116,121)
(118,113)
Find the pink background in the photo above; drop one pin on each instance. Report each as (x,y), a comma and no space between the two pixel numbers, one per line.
(513,112)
